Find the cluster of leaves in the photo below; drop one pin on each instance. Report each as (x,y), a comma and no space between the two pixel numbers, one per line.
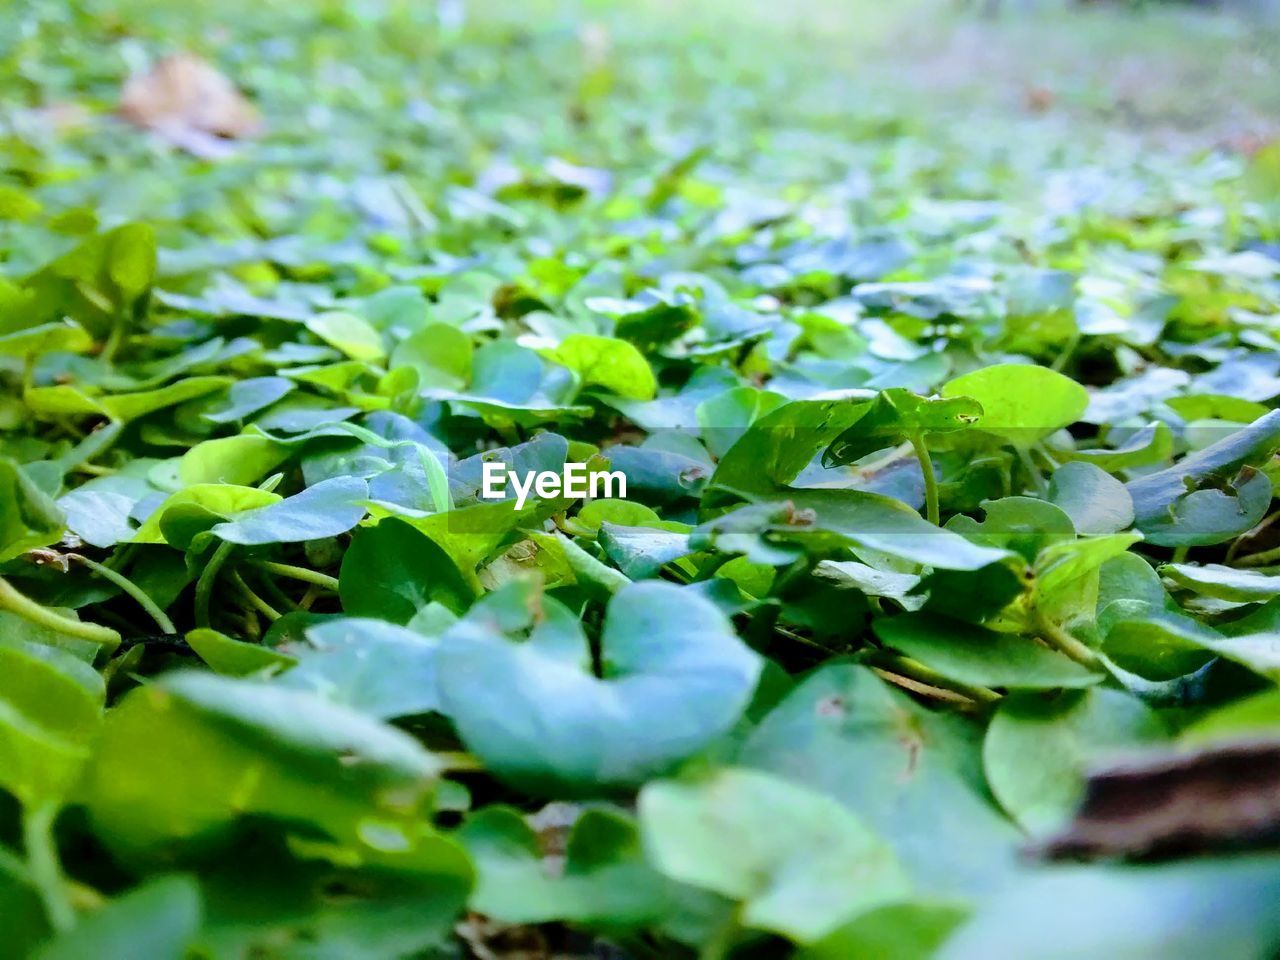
(936,501)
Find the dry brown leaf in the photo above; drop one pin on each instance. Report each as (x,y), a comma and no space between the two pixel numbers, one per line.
(1038,99)
(189,102)
(1224,797)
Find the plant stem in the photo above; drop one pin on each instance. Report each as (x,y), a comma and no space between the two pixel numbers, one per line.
(459,762)
(915,670)
(1180,553)
(255,601)
(1033,472)
(932,512)
(1250,535)
(1060,361)
(132,589)
(12,865)
(114,339)
(209,576)
(299,573)
(43,865)
(1262,559)
(272,593)
(721,941)
(28,609)
(1065,643)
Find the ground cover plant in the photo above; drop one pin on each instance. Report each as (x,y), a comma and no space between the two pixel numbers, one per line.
(941,614)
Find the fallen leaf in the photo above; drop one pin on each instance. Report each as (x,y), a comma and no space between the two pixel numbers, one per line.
(190,103)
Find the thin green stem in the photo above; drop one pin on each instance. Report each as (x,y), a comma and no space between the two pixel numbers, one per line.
(1060,361)
(1033,472)
(115,339)
(132,589)
(272,593)
(123,556)
(1048,456)
(932,512)
(1180,553)
(721,941)
(1065,643)
(298,573)
(255,601)
(12,865)
(1263,559)
(28,609)
(43,866)
(208,577)
(457,761)
(94,470)
(801,639)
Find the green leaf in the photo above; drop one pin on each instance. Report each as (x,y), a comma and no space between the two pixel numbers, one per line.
(896,415)
(63,335)
(1095,501)
(220,499)
(440,353)
(158,919)
(235,658)
(130,406)
(28,518)
(377,668)
(1146,446)
(1252,717)
(896,765)
(605,880)
(247,397)
(779,445)
(329,508)
(1038,751)
(263,750)
(25,923)
(1178,911)
(358,904)
(725,417)
(675,677)
(1210,496)
(615,365)
(50,711)
(640,552)
(391,571)
(825,519)
(799,863)
(973,655)
(1021,403)
(912,930)
(131,259)
(1223,583)
(350,334)
(241,460)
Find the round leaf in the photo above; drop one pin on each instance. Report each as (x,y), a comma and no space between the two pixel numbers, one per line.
(675,676)
(1021,403)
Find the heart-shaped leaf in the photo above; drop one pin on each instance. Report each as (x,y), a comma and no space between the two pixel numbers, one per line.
(674,677)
